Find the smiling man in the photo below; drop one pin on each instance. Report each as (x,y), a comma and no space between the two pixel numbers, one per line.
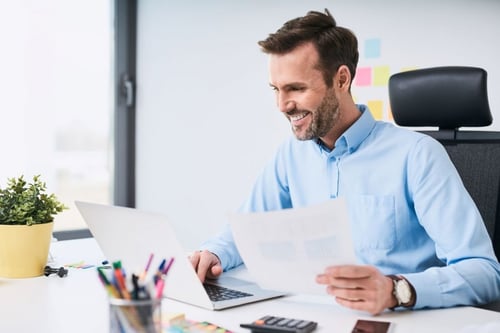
(419,238)
(311,104)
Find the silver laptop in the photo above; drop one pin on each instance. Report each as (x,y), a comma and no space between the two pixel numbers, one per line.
(131,235)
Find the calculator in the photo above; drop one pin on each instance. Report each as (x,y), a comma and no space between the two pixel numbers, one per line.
(270,324)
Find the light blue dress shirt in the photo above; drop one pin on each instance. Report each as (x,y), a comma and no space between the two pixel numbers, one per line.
(409,210)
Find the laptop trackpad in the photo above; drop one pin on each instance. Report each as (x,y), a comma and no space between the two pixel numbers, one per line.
(230,282)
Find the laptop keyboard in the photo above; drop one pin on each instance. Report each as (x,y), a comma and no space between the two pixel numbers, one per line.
(218,293)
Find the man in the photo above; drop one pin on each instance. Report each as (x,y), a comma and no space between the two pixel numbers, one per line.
(418,236)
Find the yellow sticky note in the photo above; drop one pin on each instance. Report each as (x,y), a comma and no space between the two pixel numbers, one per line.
(376,108)
(173,318)
(389,113)
(406,69)
(381,75)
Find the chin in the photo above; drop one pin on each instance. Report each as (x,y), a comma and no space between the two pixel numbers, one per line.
(302,137)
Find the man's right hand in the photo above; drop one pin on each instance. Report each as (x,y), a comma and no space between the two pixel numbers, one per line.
(206,264)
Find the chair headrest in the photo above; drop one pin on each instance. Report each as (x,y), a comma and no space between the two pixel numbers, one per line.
(446,97)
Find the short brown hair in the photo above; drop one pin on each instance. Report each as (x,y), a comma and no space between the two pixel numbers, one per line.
(336,45)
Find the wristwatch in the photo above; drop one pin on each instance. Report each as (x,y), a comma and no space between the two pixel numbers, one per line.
(403,291)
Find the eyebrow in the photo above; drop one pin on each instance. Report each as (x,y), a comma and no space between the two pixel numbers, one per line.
(290,85)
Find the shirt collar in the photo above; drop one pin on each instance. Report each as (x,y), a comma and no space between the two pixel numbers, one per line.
(354,135)
(359,130)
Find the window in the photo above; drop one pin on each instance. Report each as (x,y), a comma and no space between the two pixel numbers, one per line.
(56,90)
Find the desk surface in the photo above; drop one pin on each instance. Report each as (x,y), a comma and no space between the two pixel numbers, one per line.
(78,303)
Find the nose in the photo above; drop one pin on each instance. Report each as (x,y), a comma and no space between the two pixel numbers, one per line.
(284,103)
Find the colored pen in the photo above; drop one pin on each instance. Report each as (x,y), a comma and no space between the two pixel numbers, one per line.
(167,268)
(117,265)
(162,265)
(159,287)
(105,264)
(109,287)
(160,284)
(135,284)
(159,271)
(145,272)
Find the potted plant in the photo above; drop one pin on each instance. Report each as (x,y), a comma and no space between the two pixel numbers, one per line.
(26,222)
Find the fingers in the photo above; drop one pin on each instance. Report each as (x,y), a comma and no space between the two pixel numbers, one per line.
(353,294)
(351,271)
(358,287)
(349,276)
(215,271)
(206,265)
(368,300)
(194,258)
(359,306)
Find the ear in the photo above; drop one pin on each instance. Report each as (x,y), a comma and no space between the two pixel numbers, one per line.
(342,79)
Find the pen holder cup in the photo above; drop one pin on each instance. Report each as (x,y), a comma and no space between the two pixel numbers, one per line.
(131,316)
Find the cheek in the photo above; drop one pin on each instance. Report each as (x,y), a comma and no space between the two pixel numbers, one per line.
(317,103)
(310,102)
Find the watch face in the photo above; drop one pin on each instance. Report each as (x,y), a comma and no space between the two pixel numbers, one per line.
(403,291)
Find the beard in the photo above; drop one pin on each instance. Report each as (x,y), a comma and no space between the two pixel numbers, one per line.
(323,118)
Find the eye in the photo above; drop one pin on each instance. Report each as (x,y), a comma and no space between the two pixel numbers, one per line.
(296,88)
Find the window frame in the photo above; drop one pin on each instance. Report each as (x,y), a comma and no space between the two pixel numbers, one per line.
(125,26)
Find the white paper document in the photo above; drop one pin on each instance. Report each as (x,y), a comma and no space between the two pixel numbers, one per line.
(284,250)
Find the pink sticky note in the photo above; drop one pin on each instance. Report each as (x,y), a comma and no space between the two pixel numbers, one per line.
(363,76)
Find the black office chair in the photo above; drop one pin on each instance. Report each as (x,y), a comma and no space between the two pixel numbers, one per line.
(450,98)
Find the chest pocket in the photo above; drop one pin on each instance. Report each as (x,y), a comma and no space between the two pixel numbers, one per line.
(373,221)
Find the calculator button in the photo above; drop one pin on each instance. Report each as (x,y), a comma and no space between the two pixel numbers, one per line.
(273,320)
(303,324)
(271,324)
(283,322)
(293,323)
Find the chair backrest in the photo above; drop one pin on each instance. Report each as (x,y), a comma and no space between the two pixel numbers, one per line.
(449,98)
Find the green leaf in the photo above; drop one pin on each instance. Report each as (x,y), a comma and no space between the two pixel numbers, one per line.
(27,203)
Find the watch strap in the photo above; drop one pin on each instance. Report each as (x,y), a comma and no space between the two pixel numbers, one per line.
(413,294)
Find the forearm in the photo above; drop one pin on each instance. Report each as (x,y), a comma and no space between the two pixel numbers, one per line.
(470,282)
(224,248)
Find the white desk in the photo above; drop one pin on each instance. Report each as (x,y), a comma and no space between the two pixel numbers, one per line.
(78,303)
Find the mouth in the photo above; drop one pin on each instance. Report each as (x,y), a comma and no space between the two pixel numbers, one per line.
(297,117)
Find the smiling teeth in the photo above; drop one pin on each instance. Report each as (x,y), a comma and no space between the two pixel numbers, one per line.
(298,117)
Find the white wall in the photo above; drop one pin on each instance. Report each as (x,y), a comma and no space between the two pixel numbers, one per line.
(206,119)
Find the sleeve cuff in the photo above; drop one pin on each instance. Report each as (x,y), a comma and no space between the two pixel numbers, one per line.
(426,285)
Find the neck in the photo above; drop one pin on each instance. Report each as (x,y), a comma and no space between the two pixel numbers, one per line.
(347,116)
